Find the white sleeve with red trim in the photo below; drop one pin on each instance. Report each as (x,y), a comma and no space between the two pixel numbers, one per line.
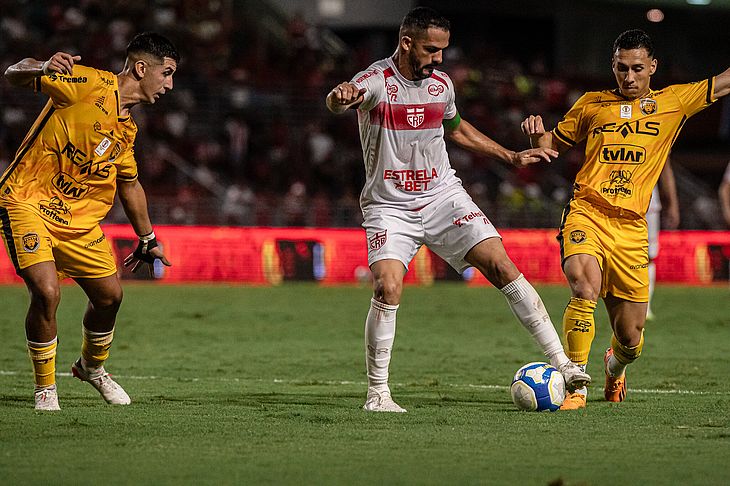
(450,111)
(373,80)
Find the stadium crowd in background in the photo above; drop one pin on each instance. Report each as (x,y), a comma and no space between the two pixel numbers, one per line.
(245,139)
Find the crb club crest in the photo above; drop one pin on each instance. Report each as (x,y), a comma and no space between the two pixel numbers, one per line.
(31,242)
(377,240)
(415,116)
(647,106)
(435,89)
(578,236)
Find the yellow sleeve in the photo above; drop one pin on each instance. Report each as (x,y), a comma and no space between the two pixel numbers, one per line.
(66,90)
(127,167)
(571,130)
(696,96)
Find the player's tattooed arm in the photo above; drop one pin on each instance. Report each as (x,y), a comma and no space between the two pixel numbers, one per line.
(24,72)
(344,96)
(722,84)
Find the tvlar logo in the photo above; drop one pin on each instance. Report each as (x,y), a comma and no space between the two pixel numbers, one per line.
(31,242)
(69,186)
(577,236)
(619,185)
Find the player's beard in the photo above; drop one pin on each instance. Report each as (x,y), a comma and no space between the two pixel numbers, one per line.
(420,72)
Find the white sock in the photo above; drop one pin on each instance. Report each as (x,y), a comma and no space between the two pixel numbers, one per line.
(652,285)
(379,336)
(528,307)
(614,367)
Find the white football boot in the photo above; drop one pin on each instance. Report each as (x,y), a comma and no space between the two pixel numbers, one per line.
(46,399)
(102,381)
(574,375)
(381,401)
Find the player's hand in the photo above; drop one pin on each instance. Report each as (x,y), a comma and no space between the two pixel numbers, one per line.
(532,156)
(147,251)
(61,63)
(347,94)
(533,125)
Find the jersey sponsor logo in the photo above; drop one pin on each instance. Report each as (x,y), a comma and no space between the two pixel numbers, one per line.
(577,236)
(435,89)
(648,106)
(415,116)
(619,185)
(377,240)
(102,147)
(99,103)
(622,154)
(392,91)
(639,127)
(410,180)
(31,242)
(87,167)
(625,111)
(69,186)
(106,81)
(68,79)
(639,266)
(56,210)
(366,75)
(470,217)
(95,242)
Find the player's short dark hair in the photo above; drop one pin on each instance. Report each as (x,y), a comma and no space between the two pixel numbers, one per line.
(420,19)
(634,39)
(152,44)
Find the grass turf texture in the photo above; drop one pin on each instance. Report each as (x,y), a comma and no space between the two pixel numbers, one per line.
(241,385)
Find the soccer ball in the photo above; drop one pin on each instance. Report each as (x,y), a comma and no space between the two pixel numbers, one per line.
(538,387)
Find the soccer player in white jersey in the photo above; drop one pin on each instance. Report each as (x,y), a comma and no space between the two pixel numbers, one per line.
(412,197)
(663,200)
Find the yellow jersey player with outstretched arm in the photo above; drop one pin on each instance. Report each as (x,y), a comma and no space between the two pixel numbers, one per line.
(62,182)
(629,133)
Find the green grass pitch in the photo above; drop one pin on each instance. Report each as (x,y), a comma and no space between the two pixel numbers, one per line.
(263,385)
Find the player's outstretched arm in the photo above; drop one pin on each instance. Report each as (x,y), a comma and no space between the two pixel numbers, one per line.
(344,96)
(722,84)
(468,137)
(134,201)
(24,72)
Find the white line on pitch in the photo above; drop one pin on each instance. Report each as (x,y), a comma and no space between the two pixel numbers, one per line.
(363,383)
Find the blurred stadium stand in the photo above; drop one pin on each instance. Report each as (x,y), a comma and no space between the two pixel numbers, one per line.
(245,139)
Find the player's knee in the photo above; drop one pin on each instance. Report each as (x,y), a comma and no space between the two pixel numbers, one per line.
(388,290)
(46,295)
(500,272)
(110,301)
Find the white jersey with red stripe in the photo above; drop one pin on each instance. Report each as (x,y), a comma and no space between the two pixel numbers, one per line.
(406,163)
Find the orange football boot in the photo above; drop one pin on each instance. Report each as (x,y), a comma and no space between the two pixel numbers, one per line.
(573,401)
(615,389)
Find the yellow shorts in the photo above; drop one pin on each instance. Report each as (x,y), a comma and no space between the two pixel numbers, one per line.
(619,242)
(29,241)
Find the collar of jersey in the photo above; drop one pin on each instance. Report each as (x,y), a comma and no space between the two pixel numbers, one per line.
(402,78)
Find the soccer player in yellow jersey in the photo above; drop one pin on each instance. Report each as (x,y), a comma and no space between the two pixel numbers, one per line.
(77,155)
(629,132)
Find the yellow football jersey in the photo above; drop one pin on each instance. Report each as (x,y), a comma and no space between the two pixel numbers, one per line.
(628,141)
(67,166)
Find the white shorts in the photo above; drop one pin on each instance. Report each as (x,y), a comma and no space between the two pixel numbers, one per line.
(653,223)
(450,226)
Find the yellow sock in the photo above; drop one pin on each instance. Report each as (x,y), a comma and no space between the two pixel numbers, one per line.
(626,354)
(579,329)
(95,347)
(43,356)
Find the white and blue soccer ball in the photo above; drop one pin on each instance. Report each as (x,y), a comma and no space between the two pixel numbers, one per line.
(538,387)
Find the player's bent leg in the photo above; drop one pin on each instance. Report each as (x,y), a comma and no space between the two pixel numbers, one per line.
(105,296)
(490,258)
(380,334)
